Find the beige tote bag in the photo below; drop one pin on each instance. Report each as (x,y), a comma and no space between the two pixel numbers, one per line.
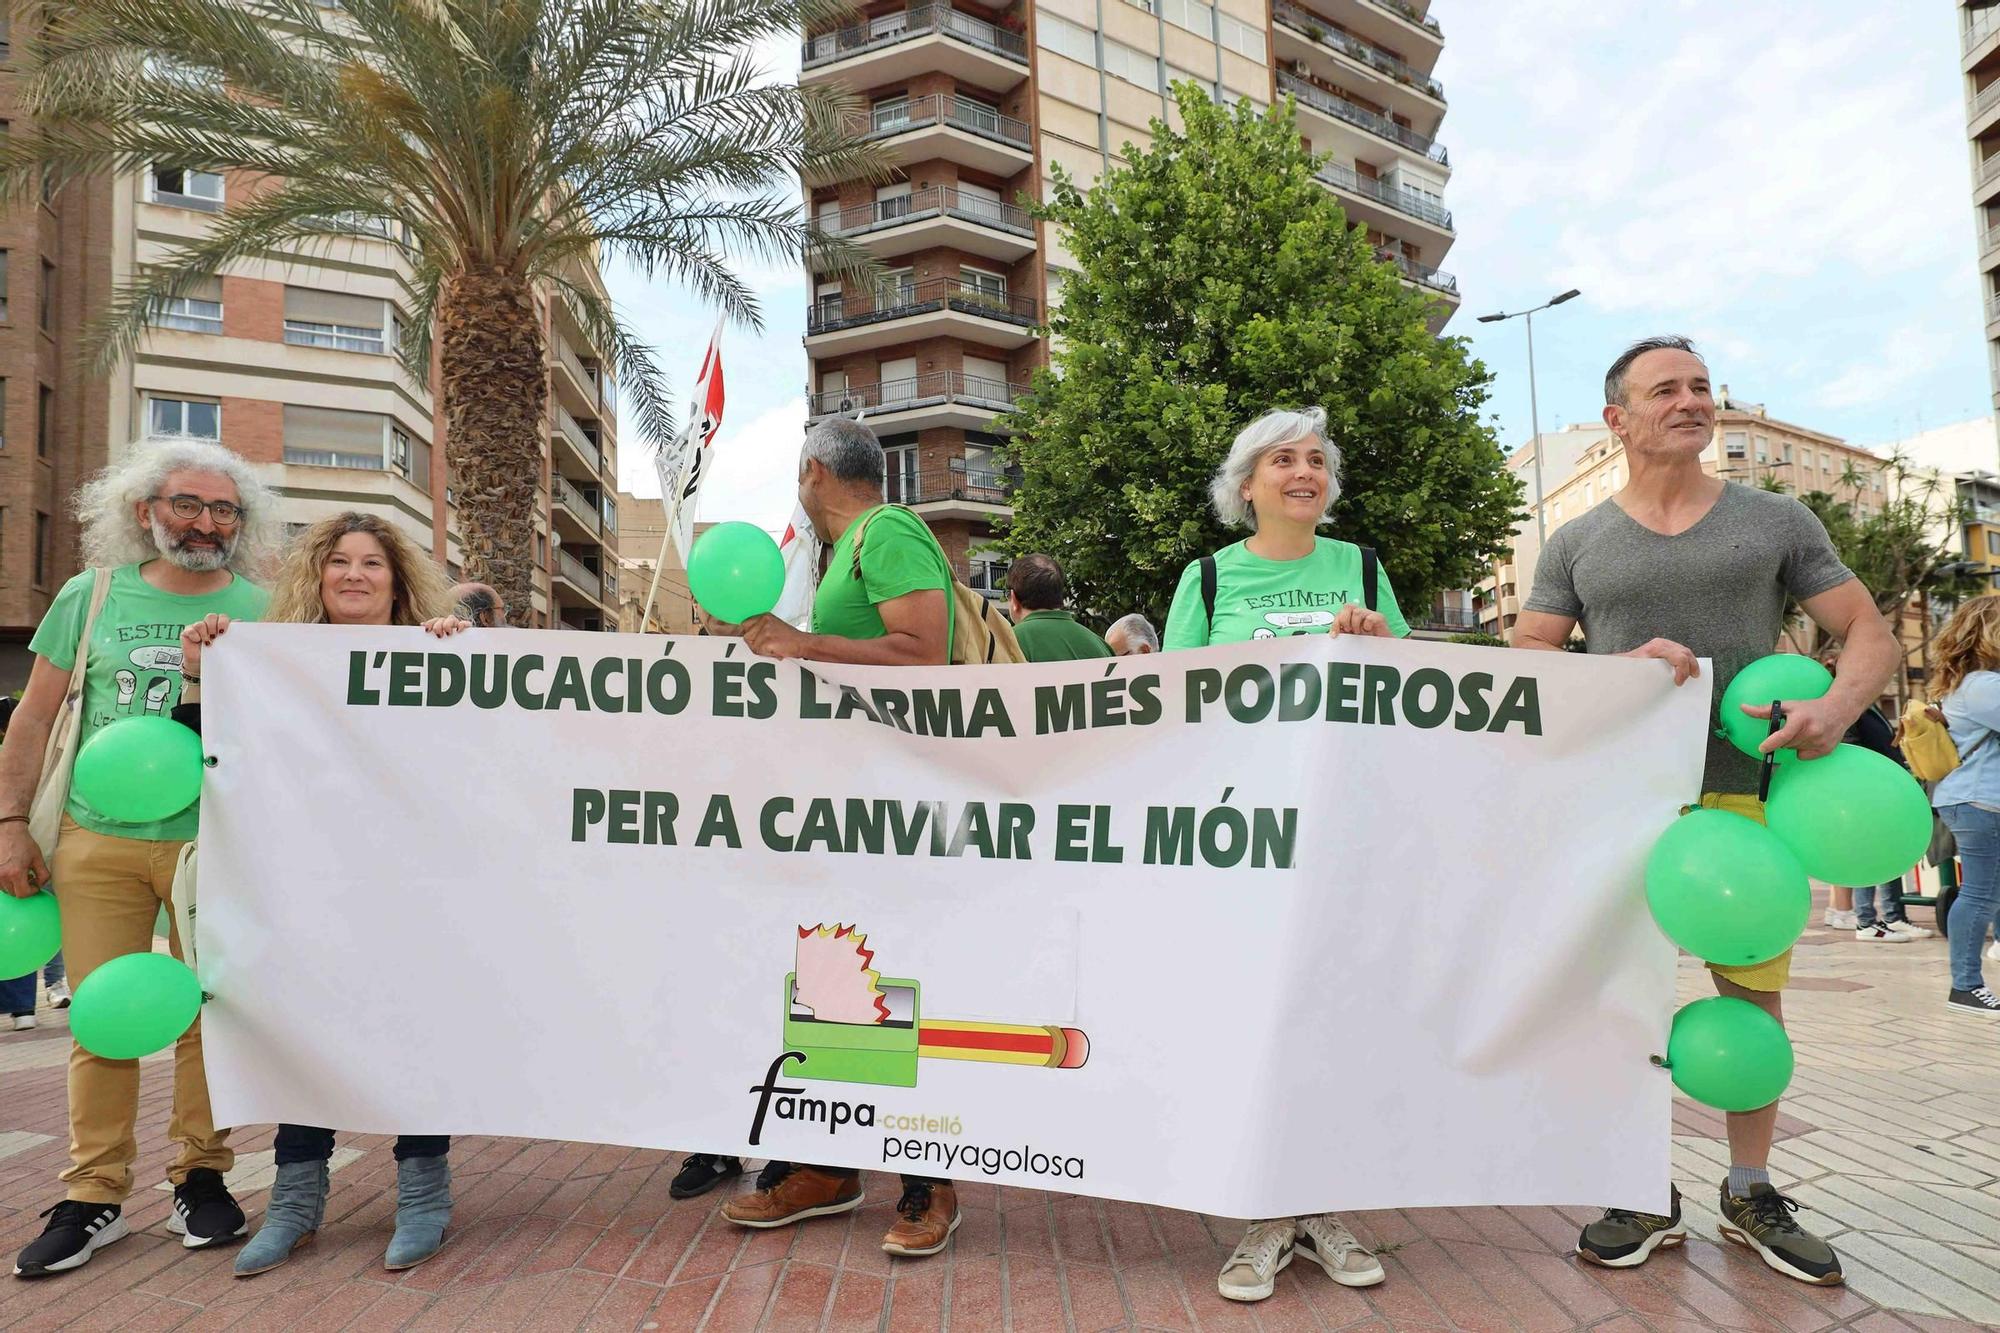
(52,792)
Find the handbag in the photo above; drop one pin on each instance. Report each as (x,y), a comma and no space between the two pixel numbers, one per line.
(45,814)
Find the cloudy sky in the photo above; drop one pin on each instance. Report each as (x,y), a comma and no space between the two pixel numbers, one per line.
(1787,182)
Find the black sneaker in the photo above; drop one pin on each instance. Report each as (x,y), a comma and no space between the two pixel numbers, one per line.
(1625,1239)
(1762,1220)
(1981,1001)
(74,1233)
(204,1213)
(702,1172)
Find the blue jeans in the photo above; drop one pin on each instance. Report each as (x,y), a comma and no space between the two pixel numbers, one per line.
(17,995)
(1864,904)
(53,971)
(306,1143)
(1978,834)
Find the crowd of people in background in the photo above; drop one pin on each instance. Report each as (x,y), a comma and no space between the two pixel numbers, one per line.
(1679,566)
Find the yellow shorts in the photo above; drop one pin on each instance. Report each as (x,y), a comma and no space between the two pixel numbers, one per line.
(1767,976)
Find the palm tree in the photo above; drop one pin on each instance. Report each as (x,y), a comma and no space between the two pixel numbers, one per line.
(502,143)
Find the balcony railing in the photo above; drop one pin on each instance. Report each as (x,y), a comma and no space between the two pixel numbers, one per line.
(929,390)
(1991,240)
(576,436)
(1333,104)
(580,574)
(962,113)
(932,201)
(582,374)
(1979,25)
(1455,618)
(1321,30)
(1409,14)
(1993,308)
(1343,177)
(936,485)
(899,301)
(921,21)
(1984,102)
(1423,273)
(578,504)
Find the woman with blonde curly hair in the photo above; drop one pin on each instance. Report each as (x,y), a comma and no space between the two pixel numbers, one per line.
(1967,653)
(351,569)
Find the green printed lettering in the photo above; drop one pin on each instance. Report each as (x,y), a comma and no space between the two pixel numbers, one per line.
(1473,709)
(1378,694)
(1273,836)
(445,683)
(1072,832)
(586,807)
(1416,710)
(1058,708)
(406,680)
(1170,835)
(524,696)
(718,821)
(568,687)
(1522,703)
(767,823)
(359,695)
(1343,691)
(624,817)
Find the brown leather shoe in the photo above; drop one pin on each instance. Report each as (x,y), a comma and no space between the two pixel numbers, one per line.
(926,1216)
(805,1191)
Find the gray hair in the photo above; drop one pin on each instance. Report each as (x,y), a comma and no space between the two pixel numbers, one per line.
(1136,628)
(847,449)
(1255,440)
(1614,378)
(105,503)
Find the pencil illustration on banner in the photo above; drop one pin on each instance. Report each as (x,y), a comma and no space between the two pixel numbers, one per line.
(854,1025)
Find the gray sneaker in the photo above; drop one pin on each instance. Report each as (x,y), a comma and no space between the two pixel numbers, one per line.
(1763,1221)
(1625,1239)
(1251,1272)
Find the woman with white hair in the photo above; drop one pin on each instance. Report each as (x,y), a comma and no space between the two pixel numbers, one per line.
(1280,481)
(169,535)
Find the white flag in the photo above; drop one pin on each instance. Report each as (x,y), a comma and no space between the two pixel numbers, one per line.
(681,464)
(800,547)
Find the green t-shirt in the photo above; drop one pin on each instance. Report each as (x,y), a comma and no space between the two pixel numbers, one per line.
(135,664)
(898,555)
(1257,598)
(1054,636)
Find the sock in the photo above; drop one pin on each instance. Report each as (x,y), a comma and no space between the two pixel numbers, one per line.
(1741,1178)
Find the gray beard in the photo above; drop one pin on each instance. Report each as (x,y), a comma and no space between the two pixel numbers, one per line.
(195,560)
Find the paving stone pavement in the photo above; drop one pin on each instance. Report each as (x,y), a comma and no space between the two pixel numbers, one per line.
(1891,1136)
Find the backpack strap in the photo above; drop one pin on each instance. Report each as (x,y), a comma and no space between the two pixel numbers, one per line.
(1208,585)
(1369,566)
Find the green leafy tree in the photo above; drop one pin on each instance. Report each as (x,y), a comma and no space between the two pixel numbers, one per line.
(1217,280)
(502,144)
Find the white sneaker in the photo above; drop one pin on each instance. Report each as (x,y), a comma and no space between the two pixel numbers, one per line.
(22,1022)
(59,995)
(1324,1241)
(1911,929)
(1881,934)
(1993,951)
(1251,1272)
(1841,920)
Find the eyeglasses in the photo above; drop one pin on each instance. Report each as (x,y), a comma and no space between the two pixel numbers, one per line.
(187,507)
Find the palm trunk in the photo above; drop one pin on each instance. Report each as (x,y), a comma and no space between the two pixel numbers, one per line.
(492,365)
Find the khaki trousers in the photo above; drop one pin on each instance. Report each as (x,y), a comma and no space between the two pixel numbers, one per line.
(111,890)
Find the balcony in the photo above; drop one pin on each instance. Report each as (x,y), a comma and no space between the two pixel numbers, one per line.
(946,125)
(1321,30)
(957,491)
(926,39)
(573,505)
(936,306)
(938,216)
(1424,275)
(1990,240)
(1408,13)
(1993,308)
(1980,24)
(1406,202)
(1332,104)
(584,456)
(578,575)
(1440,619)
(940,398)
(576,383)
(1986,99)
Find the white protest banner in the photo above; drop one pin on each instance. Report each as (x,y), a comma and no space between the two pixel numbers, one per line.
(1235,930)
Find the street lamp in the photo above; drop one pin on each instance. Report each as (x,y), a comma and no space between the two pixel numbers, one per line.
(1534,409)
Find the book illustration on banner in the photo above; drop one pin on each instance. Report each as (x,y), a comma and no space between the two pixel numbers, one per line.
(854,1025)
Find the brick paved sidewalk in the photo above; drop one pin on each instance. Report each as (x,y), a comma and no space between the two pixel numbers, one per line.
(1892,1137)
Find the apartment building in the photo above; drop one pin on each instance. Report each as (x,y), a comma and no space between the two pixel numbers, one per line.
(1979,42)
(977,102)
(288,359)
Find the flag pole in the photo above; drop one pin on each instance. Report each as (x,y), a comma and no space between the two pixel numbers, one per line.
(671,510)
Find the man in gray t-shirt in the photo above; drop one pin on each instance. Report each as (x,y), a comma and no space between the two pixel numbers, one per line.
(1678,566)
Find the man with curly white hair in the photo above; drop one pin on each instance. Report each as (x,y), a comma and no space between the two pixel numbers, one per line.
(167,534)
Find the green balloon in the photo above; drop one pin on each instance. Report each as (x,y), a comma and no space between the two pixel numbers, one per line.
(134,1005)
(1787,676)
(735,572)
(1726,889)
(1729,1054)
(30,932)
(1853,818)
(140,770)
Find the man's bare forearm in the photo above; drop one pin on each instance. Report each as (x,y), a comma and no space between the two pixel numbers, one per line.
(21,762)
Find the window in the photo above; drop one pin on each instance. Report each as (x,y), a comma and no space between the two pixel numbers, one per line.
(1736,444)
(986,572)
(330,437)
(3,286)
(48,296)
(826,302)
(897,381)
(179,187)
(898,287)
(890,113)
(1763,448)
(42,526)
(1240,37)
(1993,543)
(1133,66)
(1589,494)
(184,416)
(1190,14)
(1785,451)
(192,314)
(899,476)
(45,420)
(338,320)
(892,201)
(982,117)
(979,281)
(1175,75)
(1066,39)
